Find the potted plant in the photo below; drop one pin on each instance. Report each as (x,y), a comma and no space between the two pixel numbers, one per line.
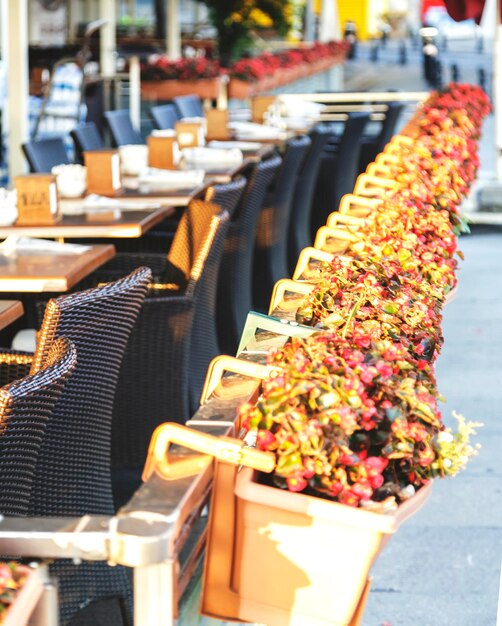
(350,417)
(237,24)
(163,79)
(250,76)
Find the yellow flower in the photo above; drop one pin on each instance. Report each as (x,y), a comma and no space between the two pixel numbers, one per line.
(261,19)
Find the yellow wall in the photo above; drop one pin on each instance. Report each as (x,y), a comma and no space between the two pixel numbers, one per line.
(356,11)
(364,13)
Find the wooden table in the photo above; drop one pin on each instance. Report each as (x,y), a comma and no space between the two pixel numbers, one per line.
(127,224)
(10,311)
(36,271)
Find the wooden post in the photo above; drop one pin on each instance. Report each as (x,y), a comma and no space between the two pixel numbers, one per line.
(173,40)
(15,55)
(108,40)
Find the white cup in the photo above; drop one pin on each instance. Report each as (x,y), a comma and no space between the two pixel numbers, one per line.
(133,159)
(71,180)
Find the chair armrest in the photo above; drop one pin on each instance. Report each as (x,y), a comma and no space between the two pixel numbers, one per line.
(14,365)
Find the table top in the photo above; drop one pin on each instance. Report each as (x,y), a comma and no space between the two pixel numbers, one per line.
(110,224)
(37,271)
(10,310)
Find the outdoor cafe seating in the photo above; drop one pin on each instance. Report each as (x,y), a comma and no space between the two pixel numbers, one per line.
(216,254)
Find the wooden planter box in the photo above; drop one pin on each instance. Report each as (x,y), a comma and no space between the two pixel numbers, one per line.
(289,559)
(206,88)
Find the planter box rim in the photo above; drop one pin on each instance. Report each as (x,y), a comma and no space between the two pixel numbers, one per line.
(248,488)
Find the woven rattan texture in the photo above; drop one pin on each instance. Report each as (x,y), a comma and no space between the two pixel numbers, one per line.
(301,210)
(270,259)
(14,365)
(234,283)
(73,469)
(160,363)
(338,170)
(227,195)
(26,406)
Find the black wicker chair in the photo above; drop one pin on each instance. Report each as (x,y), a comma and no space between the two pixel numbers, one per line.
(121,128)
(189,106)
(373,145)
(26,406)
(44,154)
(72,476)
(271,248)
(86,137)
(234,299)
(301,211)
(173,342)
(164,116)
(159,238)
(338,170)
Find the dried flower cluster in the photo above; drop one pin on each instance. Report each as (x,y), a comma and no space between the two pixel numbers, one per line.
(353,415)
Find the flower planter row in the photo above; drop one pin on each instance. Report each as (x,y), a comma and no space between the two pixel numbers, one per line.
(163,79)
(241,89)
(385,295)
(352,412)
(350,416)
(210,88)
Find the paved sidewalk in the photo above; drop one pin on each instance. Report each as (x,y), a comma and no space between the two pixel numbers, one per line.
(443,566)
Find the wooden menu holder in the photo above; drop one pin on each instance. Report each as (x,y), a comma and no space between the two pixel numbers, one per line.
(103,172)
(189,134)
(37,200)
(217,124)
(161,152)
(259,105)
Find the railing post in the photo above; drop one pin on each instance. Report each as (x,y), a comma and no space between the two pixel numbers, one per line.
(46,612)
(154,594)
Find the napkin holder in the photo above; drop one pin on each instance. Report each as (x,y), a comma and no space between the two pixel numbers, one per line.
(103,172)
(259,105)
(37,200)
(189,134)
(161,152)
(217,124)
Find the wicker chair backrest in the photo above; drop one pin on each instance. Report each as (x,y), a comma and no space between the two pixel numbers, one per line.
(234,285)
(299,223)
(26,406)
(43,154)
(190,236)
(73,475)
(270,263)
(227,195)
(121,128)
(164,356)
